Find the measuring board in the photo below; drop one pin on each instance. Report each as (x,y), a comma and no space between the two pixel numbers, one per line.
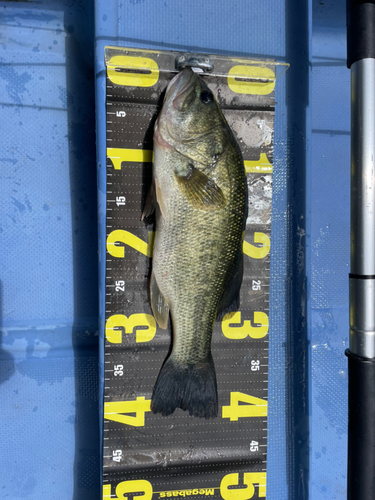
(150,456)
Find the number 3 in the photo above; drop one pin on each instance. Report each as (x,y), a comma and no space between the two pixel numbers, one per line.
(232,329)
(118,323)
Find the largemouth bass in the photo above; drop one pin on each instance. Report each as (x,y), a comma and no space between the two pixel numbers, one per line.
(201,210)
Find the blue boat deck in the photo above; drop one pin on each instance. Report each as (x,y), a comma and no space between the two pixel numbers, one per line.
(52,87)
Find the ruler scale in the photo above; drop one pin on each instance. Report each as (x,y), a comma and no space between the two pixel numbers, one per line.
(150,455)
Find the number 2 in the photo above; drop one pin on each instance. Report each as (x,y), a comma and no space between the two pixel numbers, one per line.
(257,252)
(126,238)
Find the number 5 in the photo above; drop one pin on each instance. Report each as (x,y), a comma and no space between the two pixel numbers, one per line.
(140,486)
(247,492)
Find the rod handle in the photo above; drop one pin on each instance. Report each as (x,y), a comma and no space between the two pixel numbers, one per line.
(361,428)
(360,23)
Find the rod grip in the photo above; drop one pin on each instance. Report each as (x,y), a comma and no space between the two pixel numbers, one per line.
(361,428)
(360,23)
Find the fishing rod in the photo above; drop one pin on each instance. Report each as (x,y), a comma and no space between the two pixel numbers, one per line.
(361,352)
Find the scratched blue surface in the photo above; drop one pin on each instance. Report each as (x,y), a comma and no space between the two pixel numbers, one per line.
(48,265)
(329,250)
(48,231)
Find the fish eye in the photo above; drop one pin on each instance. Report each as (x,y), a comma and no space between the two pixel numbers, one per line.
(207,96)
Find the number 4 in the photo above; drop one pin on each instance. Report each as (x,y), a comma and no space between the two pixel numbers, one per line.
(253,407)
(128,412)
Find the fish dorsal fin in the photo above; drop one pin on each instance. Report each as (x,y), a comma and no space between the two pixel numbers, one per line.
(201,191)
(159,306)
(150,202)
(230,301)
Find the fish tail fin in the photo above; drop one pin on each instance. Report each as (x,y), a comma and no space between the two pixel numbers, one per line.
(191,387)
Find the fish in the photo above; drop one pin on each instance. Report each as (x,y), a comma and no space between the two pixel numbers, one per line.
(200,198)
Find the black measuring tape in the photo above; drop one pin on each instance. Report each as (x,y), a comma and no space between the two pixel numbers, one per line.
(147,455)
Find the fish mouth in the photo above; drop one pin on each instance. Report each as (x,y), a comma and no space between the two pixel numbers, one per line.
(180,84)
(177,93)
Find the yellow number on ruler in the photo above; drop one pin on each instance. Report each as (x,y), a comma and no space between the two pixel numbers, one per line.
(140,486)
(254,407)
(147,78)
(121,236)
(117,322)
(118,155)
(251,80)
(118,411)
(241,332)
(258,166)
(106,491)
(248,491)
(257,252)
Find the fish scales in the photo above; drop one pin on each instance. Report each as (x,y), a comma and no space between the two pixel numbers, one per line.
(191,253)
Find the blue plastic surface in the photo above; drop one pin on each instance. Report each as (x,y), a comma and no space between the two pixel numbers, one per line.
(49,299)
(48,231)
(328,245)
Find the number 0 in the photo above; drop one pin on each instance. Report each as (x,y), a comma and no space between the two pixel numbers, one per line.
(147,76)
(251,80)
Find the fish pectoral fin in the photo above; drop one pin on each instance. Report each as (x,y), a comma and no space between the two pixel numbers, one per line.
(230,301)
(150,202)
(159,306)
(201,191)
(160,200)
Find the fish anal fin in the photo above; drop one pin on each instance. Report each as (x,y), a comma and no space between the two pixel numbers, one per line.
(159,306)
(200,191)
(230,301)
